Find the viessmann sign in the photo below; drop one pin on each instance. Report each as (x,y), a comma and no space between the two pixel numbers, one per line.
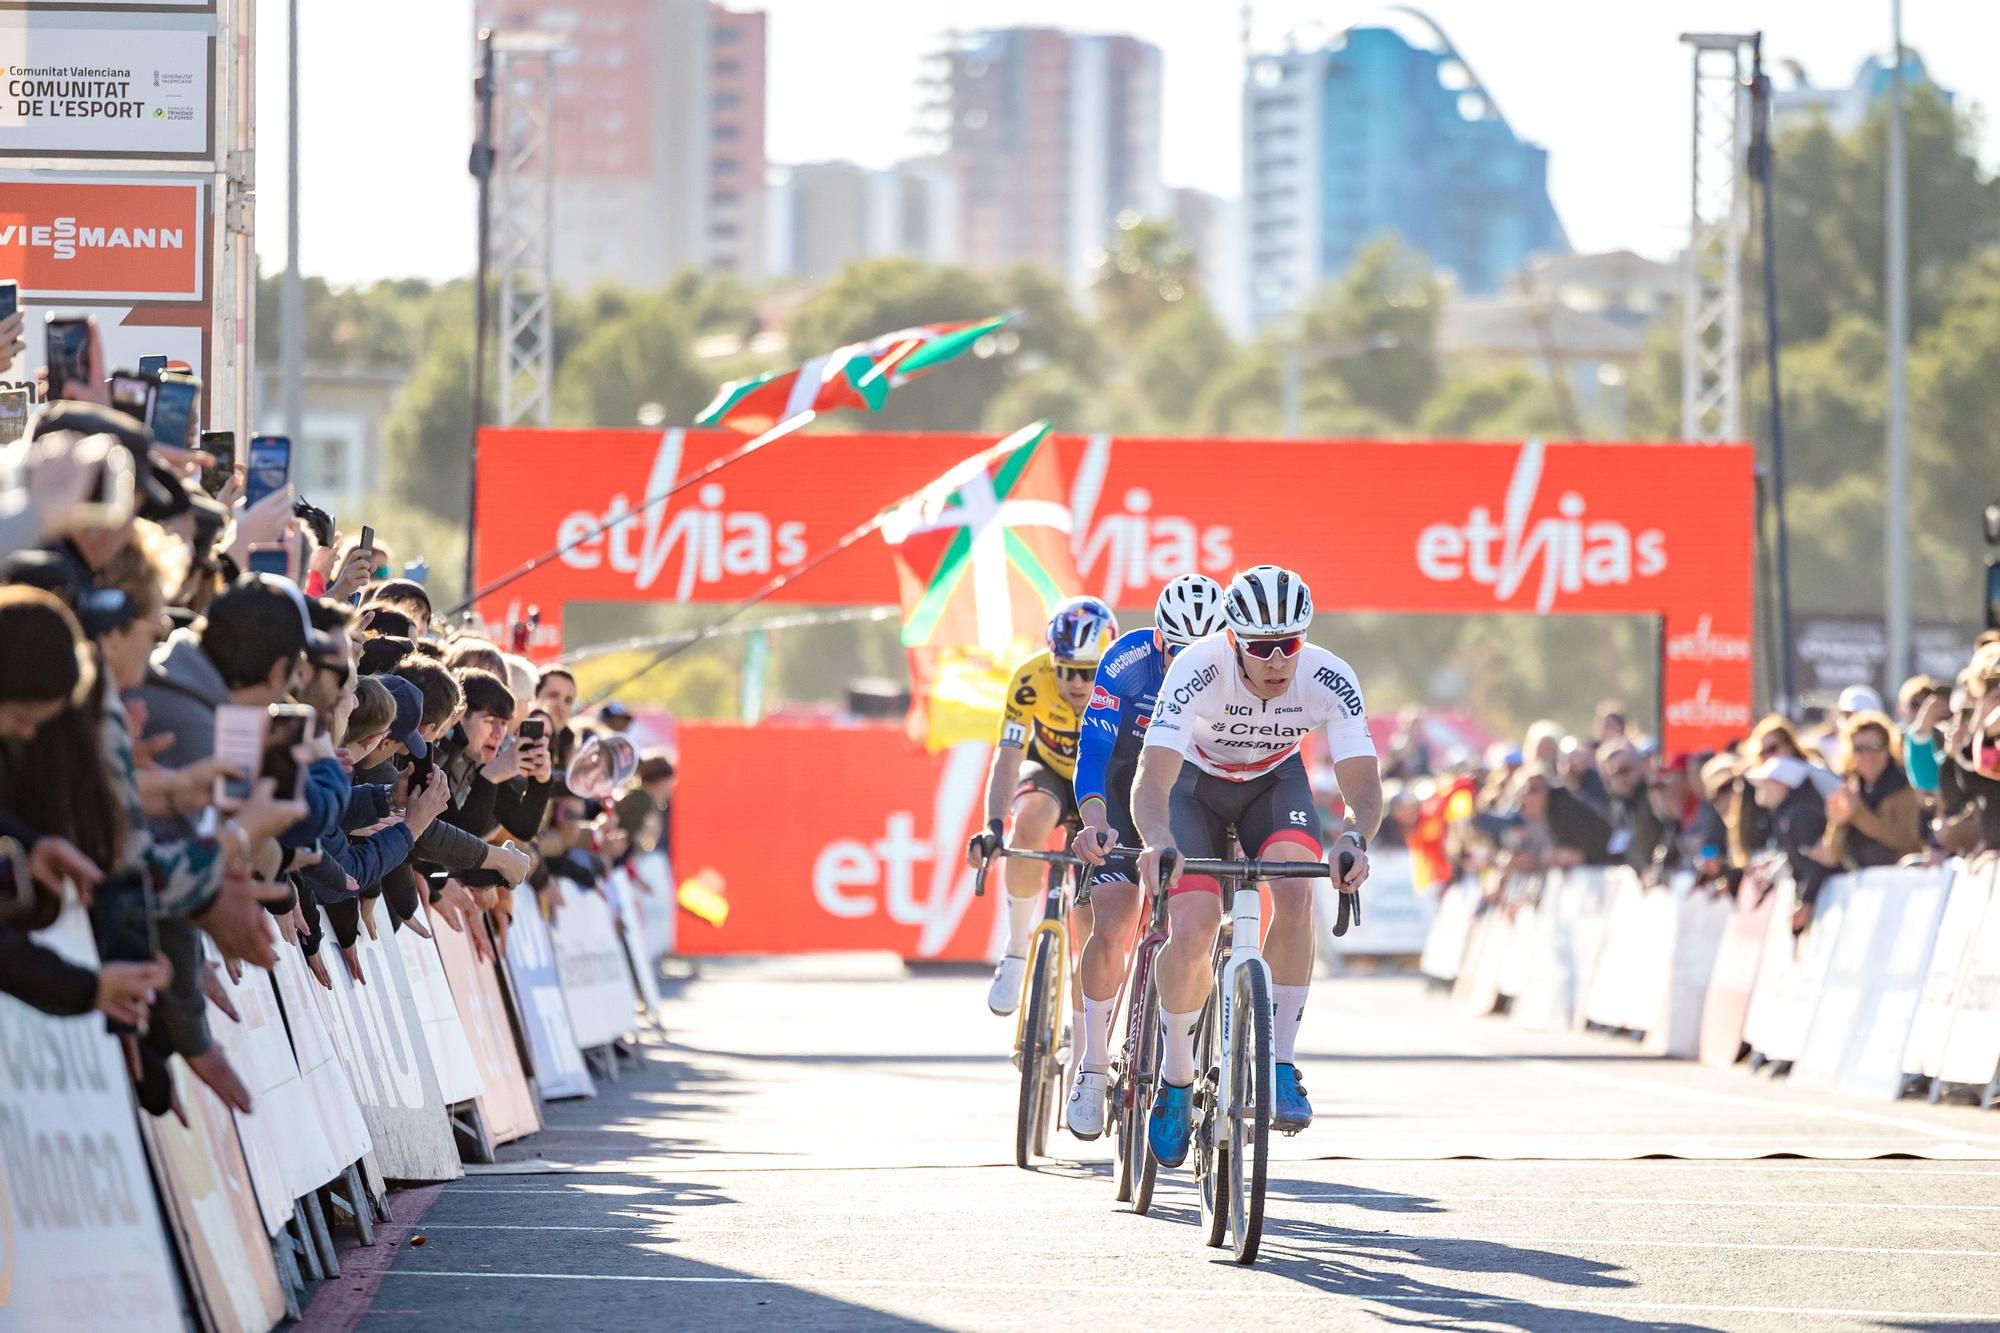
(103,238)
(1373,526)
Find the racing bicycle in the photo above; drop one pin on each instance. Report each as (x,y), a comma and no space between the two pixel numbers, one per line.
(1235,1054)
(1039,1038)
(1135,1068)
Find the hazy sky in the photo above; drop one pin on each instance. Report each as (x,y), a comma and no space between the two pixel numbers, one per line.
(1602,84)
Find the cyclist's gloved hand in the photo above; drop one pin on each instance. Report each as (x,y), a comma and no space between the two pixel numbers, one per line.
(1094,841)
(981,847)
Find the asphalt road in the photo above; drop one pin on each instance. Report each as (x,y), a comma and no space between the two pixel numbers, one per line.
(827,1144)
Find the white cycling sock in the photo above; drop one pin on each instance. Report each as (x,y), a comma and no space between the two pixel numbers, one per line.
(1022,914)
(1290,1002)
(1097,1019)
(1178,1065)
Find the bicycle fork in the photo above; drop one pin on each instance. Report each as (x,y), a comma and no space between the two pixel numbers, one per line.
(1245,951)
(1051,924)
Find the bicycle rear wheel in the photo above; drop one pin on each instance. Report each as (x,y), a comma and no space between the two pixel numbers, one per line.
(1038,1051)
(1211,1133)
(1249,1119)
(1137,1168)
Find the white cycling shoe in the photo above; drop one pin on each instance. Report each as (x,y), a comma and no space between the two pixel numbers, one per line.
(1085,1115)
(1004,996)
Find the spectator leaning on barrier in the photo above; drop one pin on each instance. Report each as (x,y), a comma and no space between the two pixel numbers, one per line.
(1872,820)
(1783,788)
(1635,830)
(1969,772)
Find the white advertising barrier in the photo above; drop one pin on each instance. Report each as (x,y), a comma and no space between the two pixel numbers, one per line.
(1582,935)
(632,938)
(1451,927)
(1951,963)
(1788,983)
(1701,919)
(595,978)
(1972,1043)
(506,1103)
(283,1142)
(657,905)
(457,1072)
(1629,975)
(381,1043)
(327,1086)
(1738,964)
(539,1000)
(1477,988)
(1869,995)
(1395,920)
(1518,958)
(1536,1002)
(212,1208)
(80,1241)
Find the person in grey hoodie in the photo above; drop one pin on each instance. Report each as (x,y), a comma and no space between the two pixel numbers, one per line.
(246,652)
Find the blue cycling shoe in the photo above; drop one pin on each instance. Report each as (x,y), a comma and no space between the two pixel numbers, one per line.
(1292,1111)
(1172,1124)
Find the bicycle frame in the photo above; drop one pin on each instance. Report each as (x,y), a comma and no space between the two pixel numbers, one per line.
(1245,951)
(1054,922)
(1143,956)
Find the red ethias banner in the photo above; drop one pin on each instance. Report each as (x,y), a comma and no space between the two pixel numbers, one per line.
(1463,528)
(832,838)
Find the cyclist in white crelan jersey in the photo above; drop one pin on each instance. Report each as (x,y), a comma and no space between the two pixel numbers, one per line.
(1221,760)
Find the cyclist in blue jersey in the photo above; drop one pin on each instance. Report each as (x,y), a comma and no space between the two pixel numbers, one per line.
(1113,730)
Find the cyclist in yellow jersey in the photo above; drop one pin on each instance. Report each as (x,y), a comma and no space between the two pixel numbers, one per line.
(1034,762)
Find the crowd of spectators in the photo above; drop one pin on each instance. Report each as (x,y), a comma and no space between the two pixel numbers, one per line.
(389,755)
(1844,789)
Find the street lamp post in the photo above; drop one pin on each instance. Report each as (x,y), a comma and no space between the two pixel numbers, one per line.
(1896,603)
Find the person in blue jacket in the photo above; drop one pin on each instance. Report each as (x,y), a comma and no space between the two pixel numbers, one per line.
(1114,727)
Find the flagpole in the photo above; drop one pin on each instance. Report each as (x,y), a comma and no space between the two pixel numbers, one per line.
(950,477)
(707,470)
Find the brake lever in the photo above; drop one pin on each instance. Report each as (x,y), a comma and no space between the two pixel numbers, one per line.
(1348,913)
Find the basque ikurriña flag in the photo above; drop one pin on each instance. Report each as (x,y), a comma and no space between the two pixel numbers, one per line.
(981,560)
(857,375)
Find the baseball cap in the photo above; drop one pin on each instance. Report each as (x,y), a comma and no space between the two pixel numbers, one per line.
(1860,699)
(409,715)
(1785,770)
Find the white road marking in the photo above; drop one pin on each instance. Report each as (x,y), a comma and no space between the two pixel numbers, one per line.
(1380,1196)
(1289,1292)
(673,1227)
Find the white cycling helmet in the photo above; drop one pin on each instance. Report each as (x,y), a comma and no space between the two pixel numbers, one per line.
(1189,608)
(1267,600)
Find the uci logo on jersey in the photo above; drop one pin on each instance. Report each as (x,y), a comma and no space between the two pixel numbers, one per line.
(1237,710)
(1103,698)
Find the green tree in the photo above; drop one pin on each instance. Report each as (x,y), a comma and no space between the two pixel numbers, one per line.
(1176,358)
(1506,403)
(1375,330)
(427,436)
(1146,271)
(643,356)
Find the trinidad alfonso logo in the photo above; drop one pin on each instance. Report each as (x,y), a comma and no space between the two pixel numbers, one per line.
(1566,553)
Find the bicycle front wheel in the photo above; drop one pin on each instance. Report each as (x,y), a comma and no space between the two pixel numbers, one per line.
(1038,1051)
(1137,1167)
(1211,1125)
(1249,1118)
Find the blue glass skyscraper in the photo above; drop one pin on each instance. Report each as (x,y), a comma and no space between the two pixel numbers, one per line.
(1372,134)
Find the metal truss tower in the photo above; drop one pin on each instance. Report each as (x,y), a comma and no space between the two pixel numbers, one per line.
(524,223)
(1712,293)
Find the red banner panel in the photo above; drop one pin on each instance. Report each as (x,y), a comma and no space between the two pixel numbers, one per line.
(1651,529)
(832,838)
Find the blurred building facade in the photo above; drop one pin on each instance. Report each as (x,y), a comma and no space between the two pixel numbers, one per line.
(1376,132)
(819,216)
(1844,109)
(659,136)
(1050,135)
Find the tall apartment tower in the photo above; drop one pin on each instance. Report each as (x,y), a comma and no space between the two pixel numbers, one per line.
(1051,135)
(659,136)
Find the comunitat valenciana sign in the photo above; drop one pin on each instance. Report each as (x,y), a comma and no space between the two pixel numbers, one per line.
(1449,527)
(94,81)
